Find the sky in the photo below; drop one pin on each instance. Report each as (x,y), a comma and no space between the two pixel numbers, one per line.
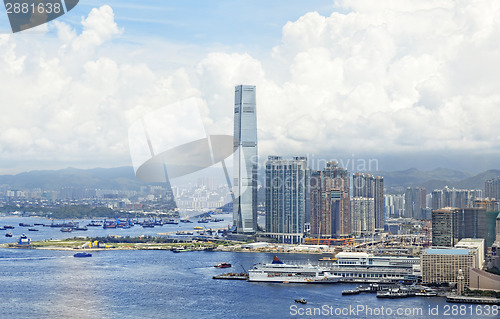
(403,83)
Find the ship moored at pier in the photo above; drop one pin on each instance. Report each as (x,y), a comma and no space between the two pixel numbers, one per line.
(278,271)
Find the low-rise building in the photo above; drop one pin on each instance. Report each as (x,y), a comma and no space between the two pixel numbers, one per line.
(443,265)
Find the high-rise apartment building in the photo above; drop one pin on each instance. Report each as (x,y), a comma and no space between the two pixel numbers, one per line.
(245,160)
(330,204)
(415,202)
(362,215)
(369,186)
(287,196)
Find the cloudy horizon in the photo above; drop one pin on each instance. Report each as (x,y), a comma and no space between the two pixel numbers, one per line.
(411,84)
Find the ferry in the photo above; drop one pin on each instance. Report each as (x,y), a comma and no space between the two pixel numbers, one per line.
(278,271)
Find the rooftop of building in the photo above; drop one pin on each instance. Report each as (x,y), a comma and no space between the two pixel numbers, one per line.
(447,251)
(471,240)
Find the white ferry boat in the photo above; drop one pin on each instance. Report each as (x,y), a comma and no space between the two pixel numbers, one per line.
(277,271)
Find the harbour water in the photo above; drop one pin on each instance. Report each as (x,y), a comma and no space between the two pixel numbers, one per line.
(161,284)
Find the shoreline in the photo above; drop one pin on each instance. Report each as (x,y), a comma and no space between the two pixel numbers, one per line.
(76,245)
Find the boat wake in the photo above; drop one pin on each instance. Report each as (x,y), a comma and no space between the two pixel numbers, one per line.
(27,258)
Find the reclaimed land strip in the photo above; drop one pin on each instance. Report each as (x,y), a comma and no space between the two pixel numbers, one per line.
(153,243)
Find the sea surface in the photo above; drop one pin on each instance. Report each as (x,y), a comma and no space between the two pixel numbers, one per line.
(162,284)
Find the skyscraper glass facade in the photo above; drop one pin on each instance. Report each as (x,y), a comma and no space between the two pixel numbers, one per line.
(245,160)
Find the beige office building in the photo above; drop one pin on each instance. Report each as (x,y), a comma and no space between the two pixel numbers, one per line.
(476,245)
(442,265)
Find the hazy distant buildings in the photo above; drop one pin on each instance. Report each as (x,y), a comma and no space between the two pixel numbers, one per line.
(287,196)
(415,202)
(492,188)
(461,198)
(330,204)
(394,205)
(245,160)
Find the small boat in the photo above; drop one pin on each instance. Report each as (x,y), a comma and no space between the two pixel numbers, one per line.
(8,227)
(301,300)
(393,293)
(198,227)
(95,223)
(8,235)
(25,225)
(32,229)
(180,250)
(223,265)
(171,221)
(66,230)
(82,255)
(80,228)
(39,224)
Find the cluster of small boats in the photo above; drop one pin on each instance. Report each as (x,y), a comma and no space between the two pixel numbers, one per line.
(5,227)
(392,291)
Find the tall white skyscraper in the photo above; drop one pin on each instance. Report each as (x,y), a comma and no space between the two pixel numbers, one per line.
(245,160)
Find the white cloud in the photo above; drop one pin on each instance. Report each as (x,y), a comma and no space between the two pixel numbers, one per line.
(385,76)
(98,27)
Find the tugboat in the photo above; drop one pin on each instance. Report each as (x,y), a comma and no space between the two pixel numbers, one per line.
(301,300)
(82,255)
(223,265)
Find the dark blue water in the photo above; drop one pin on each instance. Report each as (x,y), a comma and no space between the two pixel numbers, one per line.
(161,284)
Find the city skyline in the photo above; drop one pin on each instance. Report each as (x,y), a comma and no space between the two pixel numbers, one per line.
(424,103)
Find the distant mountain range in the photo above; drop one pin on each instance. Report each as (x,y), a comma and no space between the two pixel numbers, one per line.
(123,178)
(436,179)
